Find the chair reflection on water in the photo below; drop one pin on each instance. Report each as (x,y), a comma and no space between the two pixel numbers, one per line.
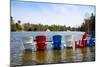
(27,57)
(85,54)
(41,42)
(57,41)
(56,56)
(68,55)
(41,57)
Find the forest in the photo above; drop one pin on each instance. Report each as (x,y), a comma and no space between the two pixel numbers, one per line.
(88,25)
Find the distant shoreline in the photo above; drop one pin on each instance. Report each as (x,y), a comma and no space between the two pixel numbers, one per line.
(48,31)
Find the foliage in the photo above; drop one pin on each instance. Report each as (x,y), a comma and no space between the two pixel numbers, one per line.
(88,25)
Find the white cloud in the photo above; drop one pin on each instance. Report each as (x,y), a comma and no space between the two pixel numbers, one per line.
(61,14)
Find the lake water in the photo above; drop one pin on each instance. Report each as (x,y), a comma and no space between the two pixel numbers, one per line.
(20,57)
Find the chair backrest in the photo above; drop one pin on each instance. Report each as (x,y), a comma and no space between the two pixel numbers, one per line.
(41,42)
(41,38)
(57,41)
(69,38)
(91,40)
(85,37)
(27,39)
(57,38)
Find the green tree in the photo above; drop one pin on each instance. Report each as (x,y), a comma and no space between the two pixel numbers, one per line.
(13,25)
(89,24)
(26,26)
(18,25)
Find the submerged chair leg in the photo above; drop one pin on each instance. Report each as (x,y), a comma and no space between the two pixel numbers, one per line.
(73,46)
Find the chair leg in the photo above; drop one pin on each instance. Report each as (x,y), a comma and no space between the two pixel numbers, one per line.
(73,46)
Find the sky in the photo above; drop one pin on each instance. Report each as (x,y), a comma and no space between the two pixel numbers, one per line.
(50,13)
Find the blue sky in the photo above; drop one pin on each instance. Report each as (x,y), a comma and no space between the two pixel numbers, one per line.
(48,13)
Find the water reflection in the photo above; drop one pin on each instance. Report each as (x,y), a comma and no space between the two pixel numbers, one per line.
(30,57)
(79,53)
(27,57)
(92,53)
(41,57)
(68,55)
(56,56)
(33,57)
(85,53)
(88,54)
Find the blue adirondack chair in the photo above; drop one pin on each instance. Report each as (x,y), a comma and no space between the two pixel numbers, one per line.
(91,41)
(57,41)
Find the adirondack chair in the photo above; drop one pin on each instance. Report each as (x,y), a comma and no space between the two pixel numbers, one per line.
(78,44)
(82,43)
(57,41)
(91,40)
(27,42)
(69,41)
(41,42)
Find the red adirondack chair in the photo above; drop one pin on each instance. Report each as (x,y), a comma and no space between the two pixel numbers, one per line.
(82,43)
(84,39)
(41,42)
(78,44)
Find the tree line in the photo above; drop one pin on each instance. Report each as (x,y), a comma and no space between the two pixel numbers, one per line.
(88,25)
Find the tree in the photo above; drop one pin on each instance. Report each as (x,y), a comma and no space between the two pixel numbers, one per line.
(18,26)
(26,26)
(89,24)
(13,25)
(11,20)
(19,22)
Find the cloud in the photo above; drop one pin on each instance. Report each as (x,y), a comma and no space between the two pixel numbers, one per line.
(47,13)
